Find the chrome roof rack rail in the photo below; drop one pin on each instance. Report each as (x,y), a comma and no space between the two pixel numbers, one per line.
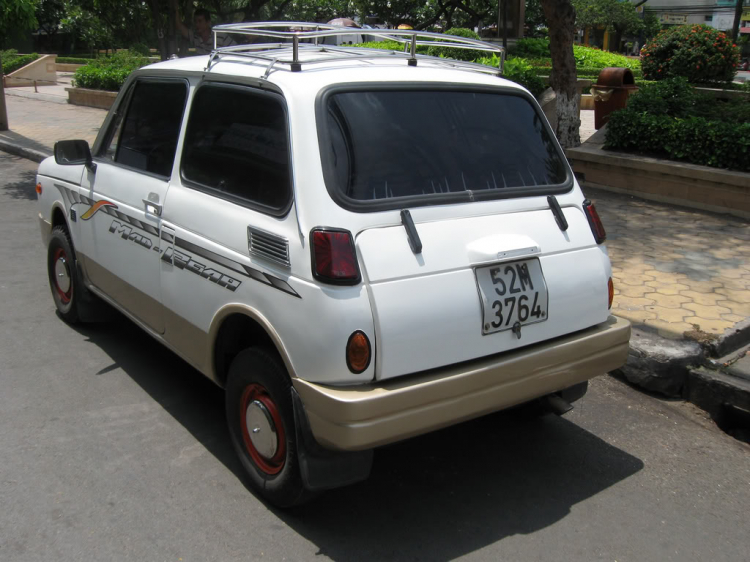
(305,36)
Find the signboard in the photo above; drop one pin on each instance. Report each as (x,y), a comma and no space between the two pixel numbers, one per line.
(673,19)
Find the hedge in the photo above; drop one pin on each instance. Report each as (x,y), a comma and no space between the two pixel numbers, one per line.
(108,73)
(73,60)
(670,119)
(15,62)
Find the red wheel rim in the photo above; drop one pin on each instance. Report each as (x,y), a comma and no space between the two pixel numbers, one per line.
(61,256)
(274,463)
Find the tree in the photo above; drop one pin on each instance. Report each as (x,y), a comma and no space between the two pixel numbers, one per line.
(617,16)
(561,18)
(534,16)
(15,16)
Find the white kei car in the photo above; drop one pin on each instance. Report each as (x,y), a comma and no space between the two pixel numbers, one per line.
(359,246)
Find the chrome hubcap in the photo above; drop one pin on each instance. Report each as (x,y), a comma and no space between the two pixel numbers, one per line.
(62,275)
(262,430)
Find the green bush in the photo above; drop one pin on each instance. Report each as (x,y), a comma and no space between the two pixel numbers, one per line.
(595,58)
(672,120)
(699,53)
(390,46)
(108,73)
(531,48)
(73,60)
(521,72)
(13,61)
(458,54)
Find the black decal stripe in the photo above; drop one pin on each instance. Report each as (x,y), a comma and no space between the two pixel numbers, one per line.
(257,275)
(264,278)
(209,255)
(150,229)
(282,285)
(167,237)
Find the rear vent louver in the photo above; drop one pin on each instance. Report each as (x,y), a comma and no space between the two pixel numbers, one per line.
(267,245)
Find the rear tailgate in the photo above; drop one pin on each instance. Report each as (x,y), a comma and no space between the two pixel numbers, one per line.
(475,279)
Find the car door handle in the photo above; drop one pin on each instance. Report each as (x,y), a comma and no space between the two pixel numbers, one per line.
(152,207)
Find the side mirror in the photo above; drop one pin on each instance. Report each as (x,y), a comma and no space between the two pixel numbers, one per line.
(73,153)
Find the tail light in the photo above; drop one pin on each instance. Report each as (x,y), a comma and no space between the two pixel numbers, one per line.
(594,222)
(333,257)
(358,352)
(611,290)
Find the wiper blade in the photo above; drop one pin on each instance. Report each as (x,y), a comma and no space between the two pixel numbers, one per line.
(411,232)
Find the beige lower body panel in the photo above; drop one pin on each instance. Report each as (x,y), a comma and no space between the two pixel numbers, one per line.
(358,418)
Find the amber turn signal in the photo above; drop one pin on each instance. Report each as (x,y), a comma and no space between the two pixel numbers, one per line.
(39,189)
(611,288)
(358,352)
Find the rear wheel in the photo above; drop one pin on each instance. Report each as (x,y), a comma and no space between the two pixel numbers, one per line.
(261,424)
(63,276)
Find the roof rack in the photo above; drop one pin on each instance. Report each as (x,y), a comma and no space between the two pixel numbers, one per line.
(305,36)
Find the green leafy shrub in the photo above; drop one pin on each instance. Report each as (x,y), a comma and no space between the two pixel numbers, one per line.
(531,48)
(699,53)
(458,54)
(73,60)
(108,73)
(672,120)
(521,72)
(592,57)
(13,61)
(389,45)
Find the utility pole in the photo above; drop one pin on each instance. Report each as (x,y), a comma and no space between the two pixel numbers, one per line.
(737,17)
(3,112)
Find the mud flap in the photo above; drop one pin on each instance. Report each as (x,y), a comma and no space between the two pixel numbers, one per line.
(323,469)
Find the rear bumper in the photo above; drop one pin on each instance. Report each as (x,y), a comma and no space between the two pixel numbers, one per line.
(362,417)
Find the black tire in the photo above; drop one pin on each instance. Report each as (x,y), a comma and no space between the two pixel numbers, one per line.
(258,376)
(64,280)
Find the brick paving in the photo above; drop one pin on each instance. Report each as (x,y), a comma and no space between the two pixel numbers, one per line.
(675,270)
(39,124)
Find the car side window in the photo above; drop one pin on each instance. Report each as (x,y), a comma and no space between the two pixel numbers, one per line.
(146,137)
(237,146)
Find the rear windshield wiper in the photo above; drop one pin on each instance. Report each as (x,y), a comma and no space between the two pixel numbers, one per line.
(411,232)
(562,223)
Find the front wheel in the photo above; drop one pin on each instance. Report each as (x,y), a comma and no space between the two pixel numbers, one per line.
(63,276)
(261,424)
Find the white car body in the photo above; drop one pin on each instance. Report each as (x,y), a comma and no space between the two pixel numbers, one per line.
(177,261)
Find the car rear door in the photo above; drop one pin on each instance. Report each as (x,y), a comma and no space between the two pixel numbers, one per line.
(479,173)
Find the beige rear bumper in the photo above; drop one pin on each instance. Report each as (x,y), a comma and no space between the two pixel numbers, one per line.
(357,418)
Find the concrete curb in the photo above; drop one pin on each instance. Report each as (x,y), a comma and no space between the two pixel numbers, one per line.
(659,364)
(22,151)
(730,340)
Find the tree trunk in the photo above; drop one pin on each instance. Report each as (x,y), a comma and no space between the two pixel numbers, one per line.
(561,18)
(737,18)
(3,112)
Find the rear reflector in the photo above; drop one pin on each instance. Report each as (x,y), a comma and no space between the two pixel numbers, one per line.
(611,290)
(594,222)
(333,257)
(358,352)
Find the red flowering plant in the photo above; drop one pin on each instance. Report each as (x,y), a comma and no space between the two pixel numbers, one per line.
(699,53)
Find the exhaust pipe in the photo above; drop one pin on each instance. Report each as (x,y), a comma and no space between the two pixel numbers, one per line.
(557,405)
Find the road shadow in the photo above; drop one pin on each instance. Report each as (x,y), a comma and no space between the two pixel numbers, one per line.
(26,142)
(434,497)
(24,188)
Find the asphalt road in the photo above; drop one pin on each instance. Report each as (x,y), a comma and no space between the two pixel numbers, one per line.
(112,448)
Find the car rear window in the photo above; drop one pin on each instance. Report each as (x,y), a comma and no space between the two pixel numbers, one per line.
(436,145)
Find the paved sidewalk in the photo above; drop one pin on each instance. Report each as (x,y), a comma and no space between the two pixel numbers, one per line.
(36,124)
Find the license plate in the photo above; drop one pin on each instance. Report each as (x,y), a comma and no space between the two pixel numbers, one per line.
(511,293)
